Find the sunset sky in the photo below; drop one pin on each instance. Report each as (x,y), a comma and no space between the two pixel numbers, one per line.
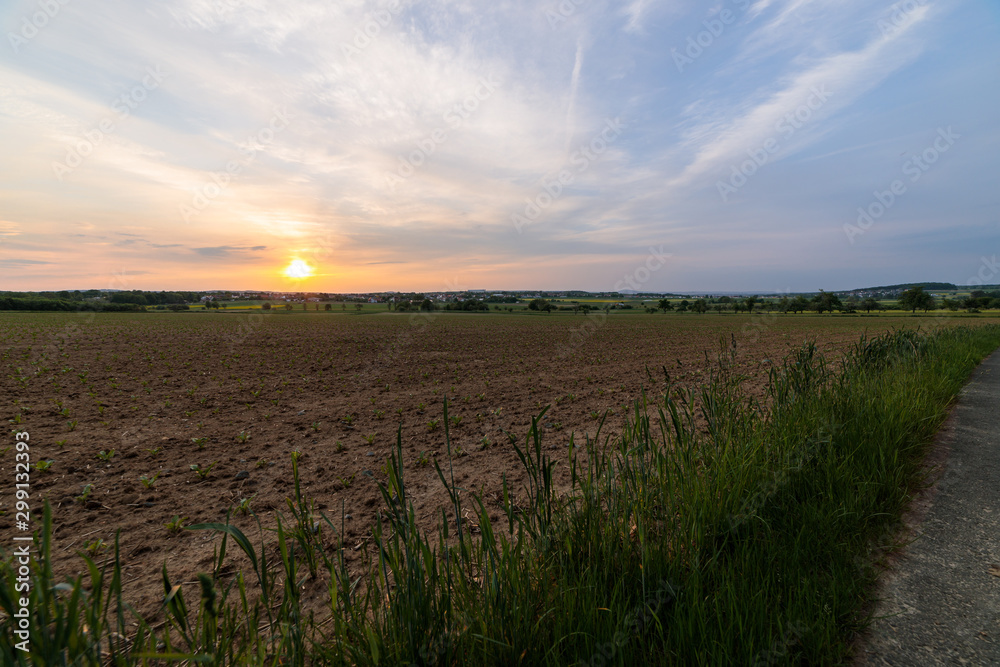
(441,145)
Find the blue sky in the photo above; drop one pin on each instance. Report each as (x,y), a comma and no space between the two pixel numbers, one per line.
(456,145)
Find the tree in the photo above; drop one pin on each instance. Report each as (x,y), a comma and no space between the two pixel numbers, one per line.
(288,306)
(700,306)
(914,298)
(135,296)
(977,300)
(665,305)
(869,304)
(328,307)
(265,306)
(359,306)
(826,302)
(798,304)
(538,304)
(748,303)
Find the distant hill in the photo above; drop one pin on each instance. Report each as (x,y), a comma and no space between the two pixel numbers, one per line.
(889,289)
(926,286)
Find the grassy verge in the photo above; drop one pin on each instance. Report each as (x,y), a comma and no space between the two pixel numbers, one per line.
(712,530)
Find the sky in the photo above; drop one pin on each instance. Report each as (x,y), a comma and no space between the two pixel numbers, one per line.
(437,145)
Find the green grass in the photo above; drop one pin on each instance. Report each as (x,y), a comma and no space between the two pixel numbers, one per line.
(714,529)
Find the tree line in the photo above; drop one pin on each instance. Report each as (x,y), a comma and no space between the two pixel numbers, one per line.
(913,299)
(61,305)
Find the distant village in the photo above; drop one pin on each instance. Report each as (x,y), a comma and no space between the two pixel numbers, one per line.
(395,297)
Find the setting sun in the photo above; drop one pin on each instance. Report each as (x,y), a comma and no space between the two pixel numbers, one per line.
(298,269)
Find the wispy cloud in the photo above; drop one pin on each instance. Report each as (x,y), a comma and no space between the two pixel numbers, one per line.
(368,88)
(634,13)
(574,85)
(822,87)
(225,251)
(15,263)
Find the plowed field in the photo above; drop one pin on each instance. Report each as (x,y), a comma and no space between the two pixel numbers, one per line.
(110,399)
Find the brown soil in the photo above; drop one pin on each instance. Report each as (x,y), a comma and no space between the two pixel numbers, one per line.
(169,391)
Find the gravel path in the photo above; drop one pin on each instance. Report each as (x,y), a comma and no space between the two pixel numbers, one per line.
(940,602)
